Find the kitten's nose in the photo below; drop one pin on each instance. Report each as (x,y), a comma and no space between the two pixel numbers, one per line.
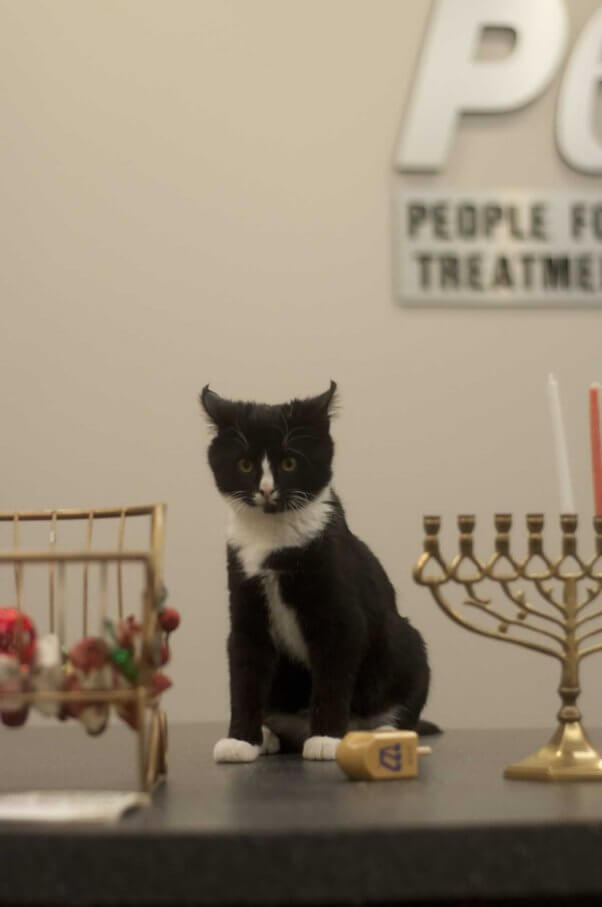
(266,492)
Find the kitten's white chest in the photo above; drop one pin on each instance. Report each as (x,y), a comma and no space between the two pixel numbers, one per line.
(284,626)
(254,536)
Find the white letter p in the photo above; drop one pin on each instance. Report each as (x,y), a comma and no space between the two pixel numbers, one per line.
(450,81)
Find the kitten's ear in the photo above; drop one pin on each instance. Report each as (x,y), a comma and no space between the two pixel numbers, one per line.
(327,403)
(322,407)
(219,411)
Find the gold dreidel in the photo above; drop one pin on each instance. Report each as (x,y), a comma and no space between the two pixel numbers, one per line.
(380,755)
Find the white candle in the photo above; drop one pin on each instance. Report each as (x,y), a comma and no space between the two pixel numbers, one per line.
(567,503)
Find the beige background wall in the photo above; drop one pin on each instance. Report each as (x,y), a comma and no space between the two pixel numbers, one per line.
(200,191)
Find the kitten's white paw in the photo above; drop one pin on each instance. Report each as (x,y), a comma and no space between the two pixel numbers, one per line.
(229,749)
(271,743)
(321,747)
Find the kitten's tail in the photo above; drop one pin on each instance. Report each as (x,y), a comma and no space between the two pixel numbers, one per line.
(293,729)
(405,719)
(425,728)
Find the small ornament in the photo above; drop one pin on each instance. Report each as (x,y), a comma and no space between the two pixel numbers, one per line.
(89,656)
(159,683)
(90,670)
(124,643)
(17,635)
(122,646)
(128,633)
(164,653)
(17,718)
(124,662)
(12,680)
(169,620)
(128,711)
(47,673)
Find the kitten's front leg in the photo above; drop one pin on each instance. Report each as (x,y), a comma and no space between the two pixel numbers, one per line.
(333,673)
(251,659)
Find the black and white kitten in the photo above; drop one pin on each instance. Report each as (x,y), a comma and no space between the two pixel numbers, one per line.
(316,641)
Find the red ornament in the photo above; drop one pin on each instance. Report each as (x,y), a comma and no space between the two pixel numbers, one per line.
(15,719)
(94,716)
(127,632)
(159,683)
(163,653)
(12,680)
(91,671)
(71,685)
(128,712)
(17,635)
(169,620)
(90,654)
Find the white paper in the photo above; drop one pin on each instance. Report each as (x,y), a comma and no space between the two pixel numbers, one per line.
(68,805)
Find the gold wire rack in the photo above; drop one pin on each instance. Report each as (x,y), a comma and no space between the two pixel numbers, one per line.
(149,719)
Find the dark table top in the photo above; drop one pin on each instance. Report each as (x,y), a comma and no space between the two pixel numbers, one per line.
(282,830)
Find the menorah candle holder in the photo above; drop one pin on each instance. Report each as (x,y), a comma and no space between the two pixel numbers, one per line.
(560,627)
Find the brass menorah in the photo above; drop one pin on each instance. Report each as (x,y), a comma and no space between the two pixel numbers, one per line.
(559,628)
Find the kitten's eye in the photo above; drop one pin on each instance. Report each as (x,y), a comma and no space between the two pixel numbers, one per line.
(288,464)
(245,465)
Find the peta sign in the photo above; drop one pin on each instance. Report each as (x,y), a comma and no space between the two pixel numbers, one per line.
(488,243)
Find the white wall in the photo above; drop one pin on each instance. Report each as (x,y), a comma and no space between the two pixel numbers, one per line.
(200,191)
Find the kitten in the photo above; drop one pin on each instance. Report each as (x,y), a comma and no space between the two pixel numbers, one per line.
(316,645)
